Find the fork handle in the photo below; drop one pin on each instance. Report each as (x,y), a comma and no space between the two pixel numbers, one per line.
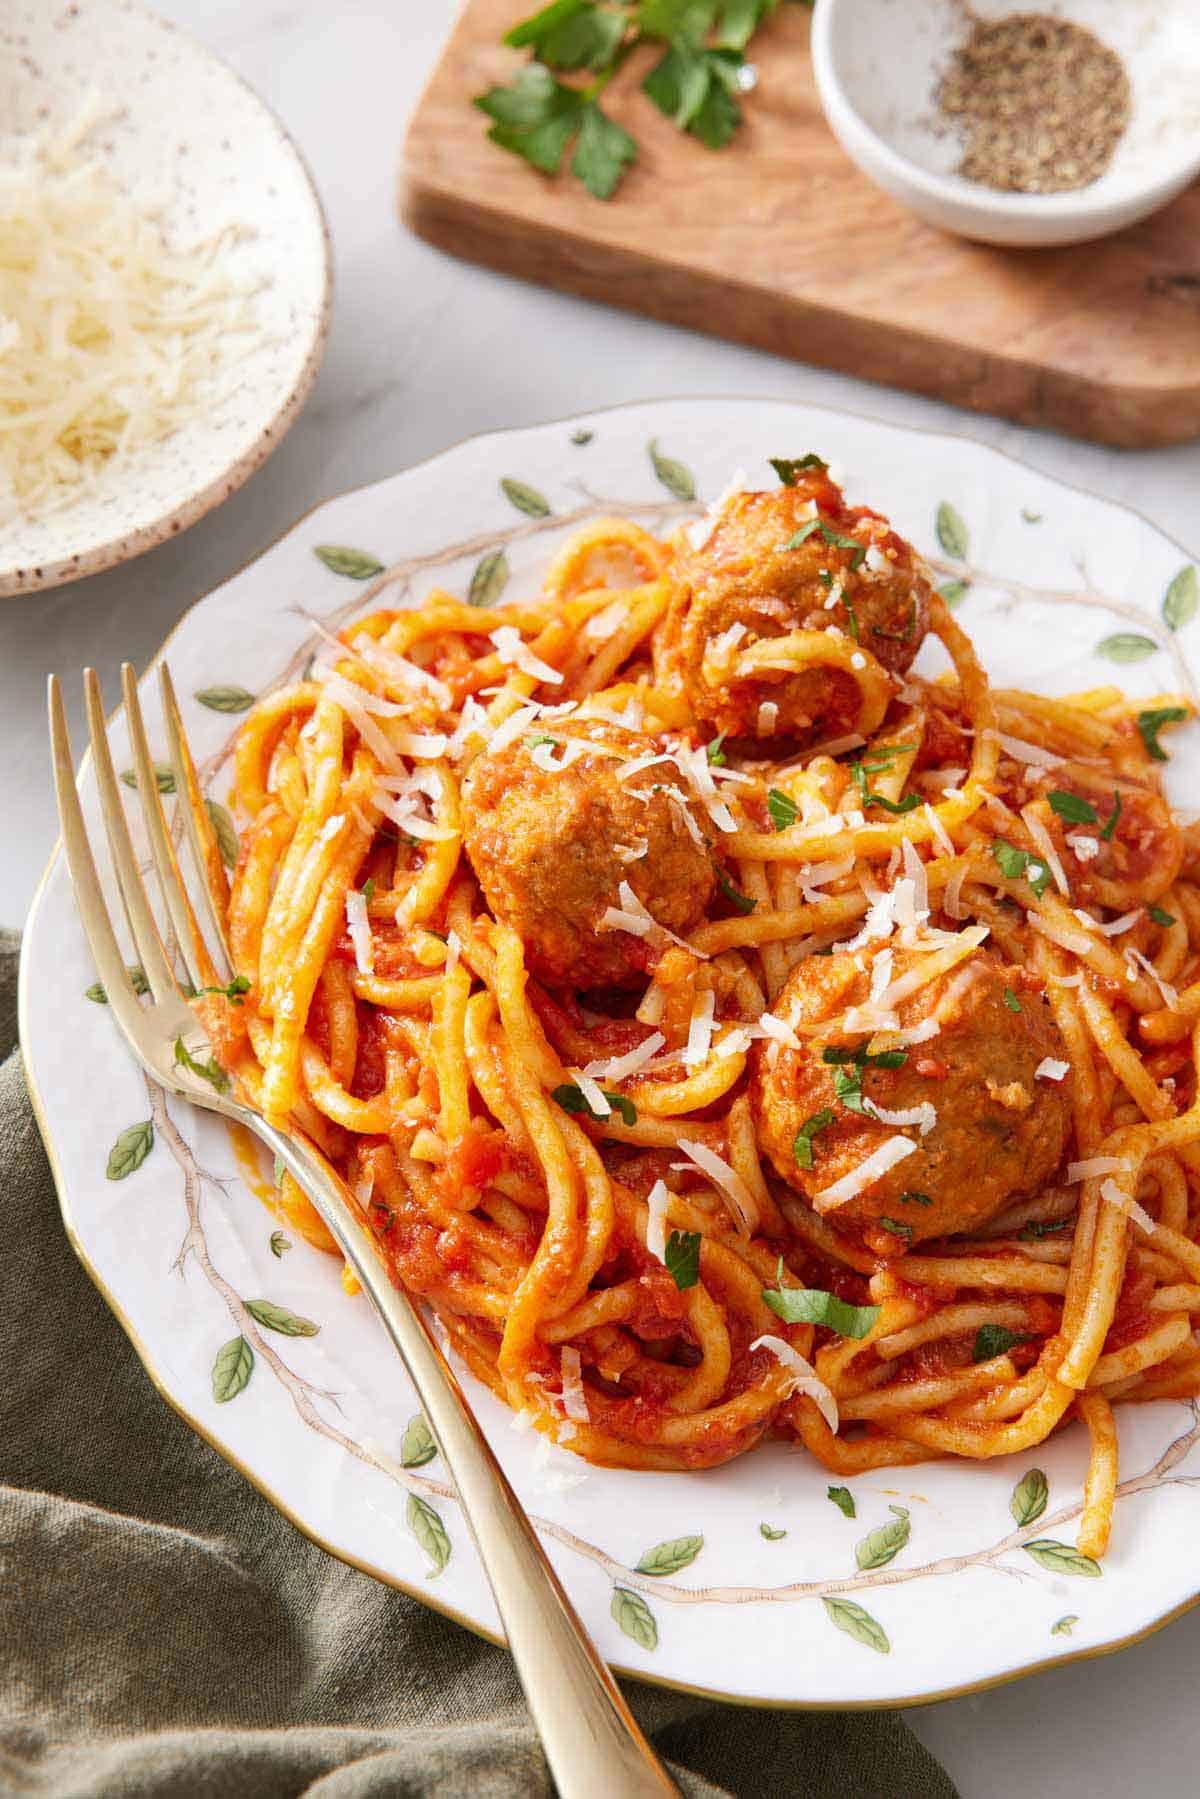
(591,1738)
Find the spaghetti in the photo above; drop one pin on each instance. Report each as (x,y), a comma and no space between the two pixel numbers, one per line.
(723,1028)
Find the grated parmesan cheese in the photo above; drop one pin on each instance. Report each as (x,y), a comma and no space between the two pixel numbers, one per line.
(1033,754)
(731,1185)
(111,338)
(574,1399)
(514,652)
(805,1378)
(924,1116)
(1092,1166)
(1113,1196)
(657,1201)
(700,1030)
(1051,1069)
(359,926)
(619,1068)
(872,1169)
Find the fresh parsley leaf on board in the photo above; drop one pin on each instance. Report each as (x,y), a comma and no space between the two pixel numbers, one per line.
(697,81)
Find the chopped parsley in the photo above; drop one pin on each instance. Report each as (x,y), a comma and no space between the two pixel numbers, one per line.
(993,1340)
(847,1086)
(210,1071)
(789,468)
(531,743)
(233,991)
(851,618)
(716,755)
(909,627)
(1011,1000)
(837,541)
(1165,919)
(913,1198)
(837,1054)
(860,773)
(802,1148)
(1014,863)
(1151,723)
(571,1099)
(812,1305)
(896,1228)
(683,1258)
(782,809)
(802,535)
(1072,809)
(742,901)
(1114,815)
(1048,1227)
(368,889)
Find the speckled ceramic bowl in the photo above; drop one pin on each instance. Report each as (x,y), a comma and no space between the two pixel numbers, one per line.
(193,128)
(877,65)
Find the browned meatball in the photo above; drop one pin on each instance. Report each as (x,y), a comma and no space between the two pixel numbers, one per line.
(996,1132)
(771,565)
(551,847)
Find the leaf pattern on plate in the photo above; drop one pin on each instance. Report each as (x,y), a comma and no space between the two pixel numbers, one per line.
(676,477)
(1031,517)
(224,830)
(358,565)
(1065,1627)
(1062,1558)
(1126,646)
(279,1243)
(489,580)
(130,1150)
(883,1544)
(427,1527)
(137,976)
(954,592)
(858,1624)
(274,1317)
(417,1445)
(582,437)
(843,1498)
(671,1556)
(526,499)
(634,1616)
(1181,598)
(164,777)
(1029,1497)
(232,1369)
(952,532)
(771,1534)
(226,699)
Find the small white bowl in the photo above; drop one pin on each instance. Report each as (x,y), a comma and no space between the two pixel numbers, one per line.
(878,63)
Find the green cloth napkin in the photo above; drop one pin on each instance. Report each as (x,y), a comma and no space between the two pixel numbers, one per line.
(163,1631)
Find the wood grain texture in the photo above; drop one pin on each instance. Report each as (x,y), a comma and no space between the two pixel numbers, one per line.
(779,242)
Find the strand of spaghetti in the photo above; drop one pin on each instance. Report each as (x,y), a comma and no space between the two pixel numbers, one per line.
(412,993)
(341,1018)
(1147,1351)
(670,1099)
(1021,1275)
(953,1321)
(261,729)
(837,1455)
(307,856)
(483,1049)
(263,843)
(422,899)
(608,541)
(1005,1403)
(647,607)
(1100,1486)
(893,1402)
(295,983)
(797,651)
(522,1026)
(980,1442)
(449,1054)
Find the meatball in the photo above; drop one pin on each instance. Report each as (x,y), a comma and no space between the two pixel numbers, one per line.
(798,559)
(995,1132)
(551,845)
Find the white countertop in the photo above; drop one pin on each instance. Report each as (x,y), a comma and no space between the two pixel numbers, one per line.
(425,351)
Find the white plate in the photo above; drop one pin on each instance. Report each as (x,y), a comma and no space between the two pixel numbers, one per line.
(190,130)
(172,1245)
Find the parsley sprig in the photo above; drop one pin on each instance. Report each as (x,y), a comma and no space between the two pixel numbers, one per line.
(882,758)
(696,82)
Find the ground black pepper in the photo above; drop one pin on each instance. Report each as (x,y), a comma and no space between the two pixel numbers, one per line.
(1041,102)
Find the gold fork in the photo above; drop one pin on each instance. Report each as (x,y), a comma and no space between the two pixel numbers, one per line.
(592,1742)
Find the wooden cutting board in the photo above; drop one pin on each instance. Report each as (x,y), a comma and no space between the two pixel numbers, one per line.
(779,242)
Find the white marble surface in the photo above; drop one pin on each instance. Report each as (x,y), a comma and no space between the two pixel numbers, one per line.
(423,352)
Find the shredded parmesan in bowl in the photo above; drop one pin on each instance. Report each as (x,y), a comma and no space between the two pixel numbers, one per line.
(111,337)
